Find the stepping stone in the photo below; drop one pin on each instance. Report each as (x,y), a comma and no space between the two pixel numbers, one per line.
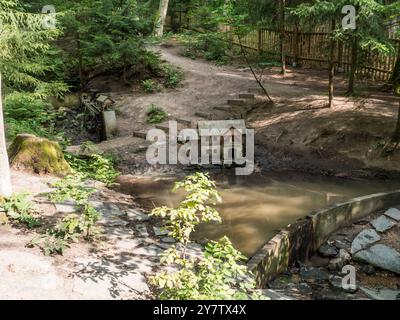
(183,121)
(382,224)
(380,256)
(140,134)
(128,244)
(142,229)
(222,108)
(381,293)
(393,213)
(168,240)
(236,102)
(256,90)
(159,232)
(151,250)
(134,282)
(136,215)
(205,115)
(364,239)
(68,206)
(246,96)
(163,127)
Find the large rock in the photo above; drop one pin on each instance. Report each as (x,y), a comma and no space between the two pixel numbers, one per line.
(380,256)
(364,239)
(37,155)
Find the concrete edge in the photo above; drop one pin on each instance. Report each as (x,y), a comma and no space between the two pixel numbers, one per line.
(299,240)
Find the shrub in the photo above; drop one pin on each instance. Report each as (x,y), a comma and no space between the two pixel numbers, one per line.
(96,167)
(173,76)
(20,209)
(150,86)
(155,114)
(219,274)
(25,113)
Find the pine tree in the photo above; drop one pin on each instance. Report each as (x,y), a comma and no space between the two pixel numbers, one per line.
(23,43)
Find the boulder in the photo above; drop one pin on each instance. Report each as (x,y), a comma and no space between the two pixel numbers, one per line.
(37,155)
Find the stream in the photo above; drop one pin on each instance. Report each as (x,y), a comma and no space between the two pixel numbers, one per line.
(254,208)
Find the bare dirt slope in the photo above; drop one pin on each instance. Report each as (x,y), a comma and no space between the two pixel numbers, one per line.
(297,132)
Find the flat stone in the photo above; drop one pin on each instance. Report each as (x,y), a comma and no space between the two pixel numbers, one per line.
(128,244)
(327,250)
(382,223)
(380,293)
(135,282)
(380,256)
(68,206)
(364,239)
(168,240)
(151,250)
(159,232)
(114,210)
(142,229)
(393,213)
(136,215)
(338,263)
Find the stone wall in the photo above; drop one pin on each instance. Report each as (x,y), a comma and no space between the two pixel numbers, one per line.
(299,240)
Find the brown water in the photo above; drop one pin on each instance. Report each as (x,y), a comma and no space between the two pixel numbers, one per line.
(255,208)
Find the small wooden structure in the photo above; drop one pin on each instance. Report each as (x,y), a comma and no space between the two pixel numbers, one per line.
(98,108)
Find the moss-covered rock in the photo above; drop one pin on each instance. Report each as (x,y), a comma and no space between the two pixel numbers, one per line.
(37,155)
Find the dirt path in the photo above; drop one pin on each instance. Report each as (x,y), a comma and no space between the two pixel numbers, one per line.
(297,132)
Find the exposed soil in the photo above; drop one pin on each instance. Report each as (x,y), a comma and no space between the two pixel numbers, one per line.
(297,132)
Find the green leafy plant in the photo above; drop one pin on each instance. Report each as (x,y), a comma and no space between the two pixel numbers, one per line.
(173,76)
(95,166)
(150,86)
(219,273)
(71,187)
(156,114)
(20,209)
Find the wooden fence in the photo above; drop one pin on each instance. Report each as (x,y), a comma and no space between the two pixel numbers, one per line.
(309,49)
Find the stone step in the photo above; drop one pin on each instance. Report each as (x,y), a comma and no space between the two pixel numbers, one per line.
(163,127)
(256,91)
(140,134)
(186,122)
(222,108)
(204,115)
(237,102)
(247,96)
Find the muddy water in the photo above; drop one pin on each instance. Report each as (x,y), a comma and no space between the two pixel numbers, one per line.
(255,208)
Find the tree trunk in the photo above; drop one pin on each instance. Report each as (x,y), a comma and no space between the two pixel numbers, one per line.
(162,14)
(331,63)
(395,77)
(282,37)
(5,176)
(353,68)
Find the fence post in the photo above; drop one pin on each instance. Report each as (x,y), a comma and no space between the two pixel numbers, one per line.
(260,46)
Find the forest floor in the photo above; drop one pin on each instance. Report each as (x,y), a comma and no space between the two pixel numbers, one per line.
(297,132)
